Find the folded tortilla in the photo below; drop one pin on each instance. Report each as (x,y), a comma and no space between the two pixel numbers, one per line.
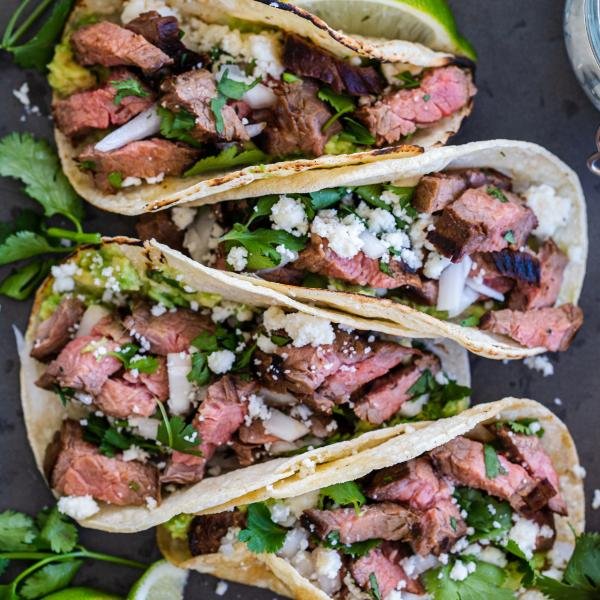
(172,190)
(277,574)
(526,163)
(44,413)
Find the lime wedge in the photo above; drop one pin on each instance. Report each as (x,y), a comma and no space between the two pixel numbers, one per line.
(429,22)
(161,581)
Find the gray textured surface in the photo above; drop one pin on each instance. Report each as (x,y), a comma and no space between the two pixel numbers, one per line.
(526,91)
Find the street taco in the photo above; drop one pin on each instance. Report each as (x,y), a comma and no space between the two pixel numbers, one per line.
(159,102)
(468,507)
(484,244)
(152,386)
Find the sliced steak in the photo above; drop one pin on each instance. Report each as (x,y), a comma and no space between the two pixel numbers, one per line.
(484,269)
(167,333)
(255,434)
(518,265)
(527,451)
(121,399)
(553,263)
(219,416)
(80,470)
(296,123)
(319,258)
(110,45)
(307,60)
(160,227)
(244,452)
(413,483)
(551,328)
(157,382)
(439,528)
(462,461)
(207,531)
(479,222)
(84,112)
(193,91)
(54,333)
(544,543)
(146,159)
(110,327)
(387,395)
(83,365)
(443,91)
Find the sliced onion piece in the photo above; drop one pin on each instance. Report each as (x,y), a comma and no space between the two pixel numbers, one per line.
(281,448)
(179,364)
(147,123)
(284,427)
(253,129)
(468,297)
(260,96)
(91,316)
(486,290)
(452,283)
(277,398)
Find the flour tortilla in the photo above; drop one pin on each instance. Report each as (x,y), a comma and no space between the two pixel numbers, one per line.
(556,441)
(44,413)
(528,164)
(176,190)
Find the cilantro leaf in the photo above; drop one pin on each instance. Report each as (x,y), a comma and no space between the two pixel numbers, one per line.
(112,439)
(341,103)
(344,494)
(216,105)
(129,355)
(17,531)
(177,125)
(290,77)
(22,282)
(325,198)
(199,372)
(232,156)
(261,533)
(231,88)
(496,193)
(484,512)
(493,468)
(407,80)
(57,531)
(25,244)
(263,208)
(374,586)
(509,236)
(49,579)
(128,87)
(524,427)
(356,132)
(175,433)
(36,165)
(355,550)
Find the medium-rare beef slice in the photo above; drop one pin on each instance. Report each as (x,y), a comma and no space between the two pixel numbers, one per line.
(110,45)
(306,60)
(80,470)
(482,220)
(484,269)
(193,91)
(147,159)
(160,227)
(515,264)
(207,531)
(552,328)
(295,125)
(439,528)
(54,333)
(83,112)
(110,327)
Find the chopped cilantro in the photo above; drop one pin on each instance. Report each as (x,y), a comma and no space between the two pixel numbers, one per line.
(262,208)
(325,198)
(129,355)
(65,394)
(261,533)
(341,103)
(374,586)
(496,193)
(356,133)
(408,81)
(426,97)
(280,340)
(384,267)
(232,156)
(453,523)
(177,125)
(489,517)
(112,439)
(199,373)
(128,87)
(524,427)
(493,468)
(115,178)
(343,494)
(174,433)
(355,550)
(290,77)
(227,88)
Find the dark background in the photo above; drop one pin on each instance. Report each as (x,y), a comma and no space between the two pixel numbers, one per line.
(526,91)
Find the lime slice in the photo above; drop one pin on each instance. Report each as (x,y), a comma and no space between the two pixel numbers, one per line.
(81,593)
(429,22)
(161,581)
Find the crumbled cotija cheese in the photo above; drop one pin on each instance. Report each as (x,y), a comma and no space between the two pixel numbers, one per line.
(183,216)
(78,507)
(303,329)
(343,235)
(134,453)
(541,364)
(525,532)
(460,571)
(220,361)
(257,409)
(552,211)
(221,588)
(238,258)
(596,500)
(63,277)
(288,214)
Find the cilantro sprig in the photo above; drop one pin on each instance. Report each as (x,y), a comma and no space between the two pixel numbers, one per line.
(490,518)
(128,87)
(232,156)
(343,494)
(227,88)
(35,164)
(129,355)
(524,427)
(261,533)
(355,550)
(176,434)
(493,466)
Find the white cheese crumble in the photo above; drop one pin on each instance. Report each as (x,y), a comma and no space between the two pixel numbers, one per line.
(541,364)
(344,236)
(238,258)
(288,214)
(596,500)
(134,453)
(265,344)
(257,409)
(144,426)
(287,256)
(493,555)
(220,361)
(63,277)
(303,329)
(525,532)
(221,588)
(434,265)
(460,571)
(183,216)
(327,562)
(552,211)
(22,95)
(158,309)
(78,507)
(228,541)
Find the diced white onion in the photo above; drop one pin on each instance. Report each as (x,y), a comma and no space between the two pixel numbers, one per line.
(486,290)
(284,427)
(277,398)
(91,316)
(179,364)
(253,129)
(452,283)
(413,407)
(147,123)
(260,96)
(145,426)
(467,298)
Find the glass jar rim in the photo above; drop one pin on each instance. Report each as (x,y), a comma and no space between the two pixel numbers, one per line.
(592,26)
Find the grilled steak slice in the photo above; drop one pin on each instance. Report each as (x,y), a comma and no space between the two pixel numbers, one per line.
(219,416)
(164,33)
(80,470)
(484,267)
(54,333)
(544,517)
(168,333)
(461,460)
(110,45)
(286,275)
(544,293)
(387,521)
(522,266)
(255,433)
(306,60)
(83,112)
(319,258)
(207,531)
(120,398)
(244,452)
(193,91)
(479,222)
(296,123)
(388,573)
(527,451)
(159,226)
(390,392)
(147,159)
(440,527)
(413,483)
(110,327)
(552,328)
(84,365)
(443,91)
(157,382)
(475,178)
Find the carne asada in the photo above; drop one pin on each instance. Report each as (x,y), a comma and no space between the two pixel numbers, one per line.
(460,244)
(177,385)
(419,527)
(272,94)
